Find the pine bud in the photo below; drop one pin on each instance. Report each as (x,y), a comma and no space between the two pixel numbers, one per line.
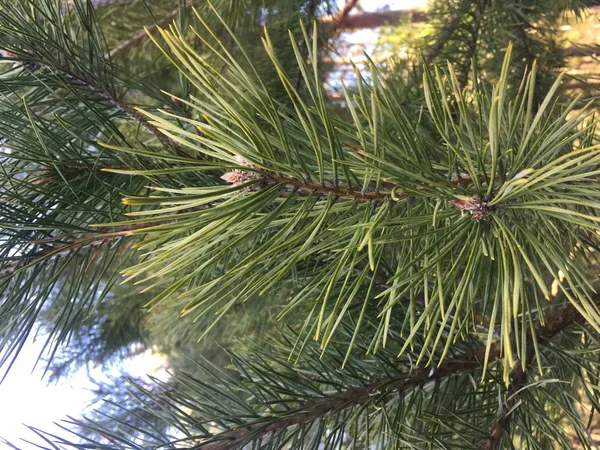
(237,177)
(478,207)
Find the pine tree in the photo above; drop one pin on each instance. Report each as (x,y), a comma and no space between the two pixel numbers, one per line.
(412,265)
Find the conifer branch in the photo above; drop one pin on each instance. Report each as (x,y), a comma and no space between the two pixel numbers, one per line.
(83,80)
(93,87)
(373,19)
(102,3)
(241,176)
(339,22)
(124,109)
(141,36)
(475,205)
(355,396)
(50,251)
(340,191)
(338,18)
(127,110)
(555,323)
(497,430)
(472,42)
(67,243)
(445,35)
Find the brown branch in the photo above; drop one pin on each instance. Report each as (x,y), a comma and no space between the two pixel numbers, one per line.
(338,19)
(49,251)
(102,3)
(67,243)
(581,51)
(118,105)
(472,43)
(471,360)
(127,110)
(142,35)
(497,430)
(445,34)
(341,191)
(556,323)
(343,20)
(346,9)
(373,19)
(477,207)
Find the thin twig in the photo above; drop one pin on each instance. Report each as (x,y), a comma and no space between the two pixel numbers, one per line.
(472,43)
(375,19)
(471,360)
(338,19)
(102,3)
(340,191)
(142,35)
(445,35)
(311,14)
(108,96)
(130,112)
(501,426)
(68,243)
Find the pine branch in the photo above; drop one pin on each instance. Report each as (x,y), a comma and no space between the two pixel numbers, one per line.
(110,98)
(372,19)
(339,18)
(477,207)
(340,22)
(87,78)
(77,79)
(519,380)
(474,205)
(445,35)
(472,42)
(66,243)
(324,189)
(51,251)
(497,430)
(554,324)
(131,113)
(141,36)
(102,3)
(69,242)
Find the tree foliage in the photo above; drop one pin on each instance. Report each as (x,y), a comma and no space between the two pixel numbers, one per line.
(416,263)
